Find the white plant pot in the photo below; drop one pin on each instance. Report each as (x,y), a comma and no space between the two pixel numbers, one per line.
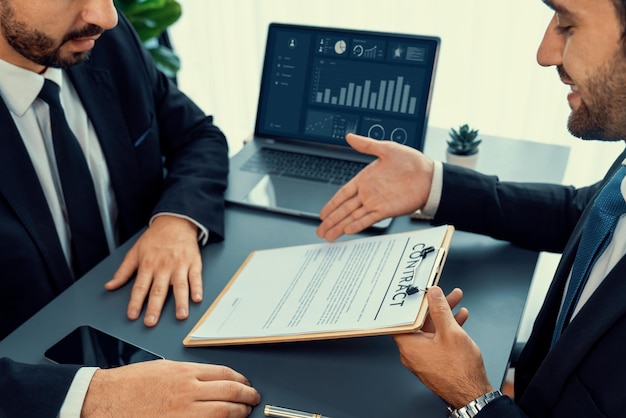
(468,161)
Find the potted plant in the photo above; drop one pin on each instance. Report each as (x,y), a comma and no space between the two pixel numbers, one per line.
(463,146)
(151,18)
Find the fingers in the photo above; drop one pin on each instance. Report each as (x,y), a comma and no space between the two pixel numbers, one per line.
(159,285)
(169,388)
(452,300)
(342,203)
(222,383)
(180,288)
(124,272)
(186,282)
(195,281)
(440,310)
(165,255)
(153,284)
(345,212)
(454,297)
(210,372)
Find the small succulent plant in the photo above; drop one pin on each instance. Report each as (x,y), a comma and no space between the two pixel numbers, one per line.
(465,141)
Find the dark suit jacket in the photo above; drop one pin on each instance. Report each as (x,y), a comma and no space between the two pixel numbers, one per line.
(583,375)
(146,128)
(36,391)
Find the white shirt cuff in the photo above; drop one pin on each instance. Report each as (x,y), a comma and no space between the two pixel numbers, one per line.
(203,233)
(75,397)
(436,187)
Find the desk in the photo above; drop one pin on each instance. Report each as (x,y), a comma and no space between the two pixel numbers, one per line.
(360,377)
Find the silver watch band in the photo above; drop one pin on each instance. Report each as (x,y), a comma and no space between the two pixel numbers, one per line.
(473,408)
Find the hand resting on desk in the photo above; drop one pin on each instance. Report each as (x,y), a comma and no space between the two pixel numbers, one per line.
(163,388)
(166,254)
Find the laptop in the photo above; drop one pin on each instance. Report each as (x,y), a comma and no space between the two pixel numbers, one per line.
(319,84)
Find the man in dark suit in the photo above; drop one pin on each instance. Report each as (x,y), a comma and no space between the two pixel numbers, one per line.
(575,369)
(154,160)
(144,126)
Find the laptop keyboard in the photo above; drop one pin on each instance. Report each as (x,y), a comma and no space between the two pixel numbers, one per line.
(303,166)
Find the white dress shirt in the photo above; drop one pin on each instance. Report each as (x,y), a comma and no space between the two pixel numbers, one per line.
(19,88)
(607,260)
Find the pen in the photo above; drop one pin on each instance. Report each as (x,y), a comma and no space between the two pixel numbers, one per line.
(280,412)
(414,289)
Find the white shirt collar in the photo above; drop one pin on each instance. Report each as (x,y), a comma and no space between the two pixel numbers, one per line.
(19,87)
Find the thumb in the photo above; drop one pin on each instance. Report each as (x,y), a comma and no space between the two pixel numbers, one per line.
(125,271)
(439,310)
(364,144)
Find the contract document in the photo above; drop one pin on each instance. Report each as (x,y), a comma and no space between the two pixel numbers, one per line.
(364,286)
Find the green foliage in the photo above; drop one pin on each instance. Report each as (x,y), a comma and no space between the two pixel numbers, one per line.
(464,141)
(151,18)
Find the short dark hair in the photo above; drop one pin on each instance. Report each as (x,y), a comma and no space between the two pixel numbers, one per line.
(620,8)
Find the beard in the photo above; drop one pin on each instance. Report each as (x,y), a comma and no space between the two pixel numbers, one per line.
(38,47)
(602,115)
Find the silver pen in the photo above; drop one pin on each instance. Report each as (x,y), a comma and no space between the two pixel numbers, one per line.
(280,412)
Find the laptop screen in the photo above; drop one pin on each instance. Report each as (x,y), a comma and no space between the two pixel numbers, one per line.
(319,84)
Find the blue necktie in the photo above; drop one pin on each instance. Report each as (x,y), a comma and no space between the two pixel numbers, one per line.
(87,237)
(605,212)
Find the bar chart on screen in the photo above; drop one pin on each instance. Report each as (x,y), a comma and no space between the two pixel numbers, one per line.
(343,84)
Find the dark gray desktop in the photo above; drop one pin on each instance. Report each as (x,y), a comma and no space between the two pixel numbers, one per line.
(359,377)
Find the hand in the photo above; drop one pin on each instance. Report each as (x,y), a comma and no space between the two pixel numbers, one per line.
(442,355)
(167,254)
(169,389)
(397,183)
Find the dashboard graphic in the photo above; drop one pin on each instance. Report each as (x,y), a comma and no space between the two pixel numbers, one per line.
(320,84)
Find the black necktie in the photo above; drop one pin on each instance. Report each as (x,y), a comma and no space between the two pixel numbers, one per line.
(87,237)
(603,217)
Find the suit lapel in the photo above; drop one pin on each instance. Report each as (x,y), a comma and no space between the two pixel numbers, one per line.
(539,341)
(601,312)
(27,200)
(99,97)
(548,369)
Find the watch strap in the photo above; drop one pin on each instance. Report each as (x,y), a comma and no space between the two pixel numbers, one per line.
(473,408)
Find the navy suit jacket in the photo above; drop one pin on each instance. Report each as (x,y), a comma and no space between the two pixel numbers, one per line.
(583,374)
(33,391)
(163,154)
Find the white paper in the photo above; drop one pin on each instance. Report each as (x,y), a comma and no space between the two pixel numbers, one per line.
(348,285)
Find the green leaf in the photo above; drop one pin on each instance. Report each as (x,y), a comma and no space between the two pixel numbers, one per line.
(151,18)
(150,23)
(165,60)
(464,141)
(132,7)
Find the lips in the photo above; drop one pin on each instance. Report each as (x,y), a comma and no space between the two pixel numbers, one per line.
(573,97)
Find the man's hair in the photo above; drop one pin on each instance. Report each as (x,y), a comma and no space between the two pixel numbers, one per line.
(620,9)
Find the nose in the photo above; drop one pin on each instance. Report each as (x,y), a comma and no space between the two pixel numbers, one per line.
(550,50)
(100,13)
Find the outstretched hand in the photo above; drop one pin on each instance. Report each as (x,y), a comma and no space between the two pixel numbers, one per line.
(442,355)
(396,183)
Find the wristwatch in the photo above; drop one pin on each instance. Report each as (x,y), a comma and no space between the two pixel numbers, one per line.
(473,408)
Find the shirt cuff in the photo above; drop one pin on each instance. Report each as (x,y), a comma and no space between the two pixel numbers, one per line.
(75,397)
(436,187)
(203,233)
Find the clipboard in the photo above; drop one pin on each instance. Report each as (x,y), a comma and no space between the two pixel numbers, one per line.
(215,326)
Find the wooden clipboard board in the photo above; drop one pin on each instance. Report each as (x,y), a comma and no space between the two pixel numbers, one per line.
(433,279)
